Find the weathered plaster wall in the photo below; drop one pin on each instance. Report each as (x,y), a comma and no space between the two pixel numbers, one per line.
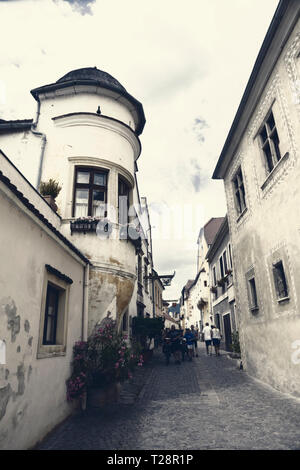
(32,391)
(108,292)
(270,230)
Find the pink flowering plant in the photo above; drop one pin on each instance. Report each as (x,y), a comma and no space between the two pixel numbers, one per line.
(103,359)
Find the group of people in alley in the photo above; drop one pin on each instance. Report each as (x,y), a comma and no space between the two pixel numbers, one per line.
(181,343)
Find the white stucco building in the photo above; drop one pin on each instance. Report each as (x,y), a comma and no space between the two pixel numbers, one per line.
(86,137)
(260,166)
(63,272)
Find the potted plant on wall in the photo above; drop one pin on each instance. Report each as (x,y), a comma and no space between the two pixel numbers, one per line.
(50,190)
(235,346)
(100,365)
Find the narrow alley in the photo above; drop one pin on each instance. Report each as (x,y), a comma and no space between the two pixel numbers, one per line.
(204,404)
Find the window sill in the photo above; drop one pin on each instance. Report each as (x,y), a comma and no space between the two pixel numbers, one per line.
(241,215)
(51,351)
(274,170)
(254,309)
(283,299)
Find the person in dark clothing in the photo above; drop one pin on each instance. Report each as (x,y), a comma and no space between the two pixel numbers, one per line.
(196,337)
(189,337)
(175,341)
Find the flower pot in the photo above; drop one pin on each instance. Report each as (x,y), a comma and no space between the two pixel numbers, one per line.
(51,201)
(99,397)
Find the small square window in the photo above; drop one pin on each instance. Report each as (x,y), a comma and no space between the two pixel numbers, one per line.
(51,314)
(280,281)
(252,291)
(253,294)
(53,326)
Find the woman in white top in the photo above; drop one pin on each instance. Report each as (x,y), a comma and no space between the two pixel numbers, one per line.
(207,337)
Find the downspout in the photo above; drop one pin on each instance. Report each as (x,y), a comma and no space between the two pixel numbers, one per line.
(85,304)
(153,294)
(86,276)
(44,140)
(153,299)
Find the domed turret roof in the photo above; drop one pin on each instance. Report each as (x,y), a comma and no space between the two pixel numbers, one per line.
(91,76)
(92,73)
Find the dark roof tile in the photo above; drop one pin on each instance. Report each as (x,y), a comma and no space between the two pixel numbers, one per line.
(211,229)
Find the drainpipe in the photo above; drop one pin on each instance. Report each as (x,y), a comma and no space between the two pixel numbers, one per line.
(84,330)
(152,279)
(84,333)
(44,140)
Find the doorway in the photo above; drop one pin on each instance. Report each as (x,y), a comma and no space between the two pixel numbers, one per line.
(227,331)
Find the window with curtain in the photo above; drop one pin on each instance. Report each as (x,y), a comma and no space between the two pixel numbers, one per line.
(90,192)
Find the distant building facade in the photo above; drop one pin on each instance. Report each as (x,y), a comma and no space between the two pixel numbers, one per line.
(260,166)
(195,298)
(219,257)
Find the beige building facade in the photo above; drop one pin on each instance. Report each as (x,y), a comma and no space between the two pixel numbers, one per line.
(42,312)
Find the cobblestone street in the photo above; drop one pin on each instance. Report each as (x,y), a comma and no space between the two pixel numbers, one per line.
(204,404)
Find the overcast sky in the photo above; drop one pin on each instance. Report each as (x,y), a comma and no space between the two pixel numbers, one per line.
(187,61)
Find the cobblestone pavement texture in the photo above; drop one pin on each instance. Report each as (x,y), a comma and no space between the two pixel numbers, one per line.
(204,404)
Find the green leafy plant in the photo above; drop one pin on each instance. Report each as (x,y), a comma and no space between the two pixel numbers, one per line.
(50,188)
(236,348)
(103,359)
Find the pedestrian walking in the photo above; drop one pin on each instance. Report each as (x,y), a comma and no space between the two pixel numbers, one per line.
(184,349)
(207,338)
(189,337)
(175,341)
(216,339)
(167,348)
(195,342)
